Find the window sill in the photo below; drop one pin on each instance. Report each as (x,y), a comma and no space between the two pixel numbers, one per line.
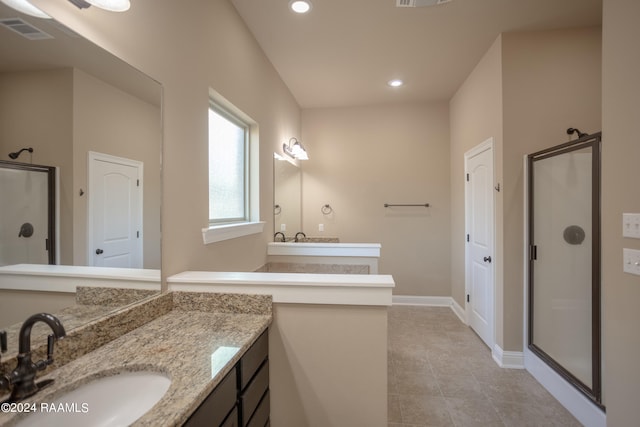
(218,233)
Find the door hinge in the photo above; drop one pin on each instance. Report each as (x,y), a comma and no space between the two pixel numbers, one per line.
(468,299)
(533,253)
(137,183)
(467,177)
(467,237)
(138,234)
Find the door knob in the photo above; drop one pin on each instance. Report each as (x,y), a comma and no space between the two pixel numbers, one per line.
(100,251)
(487,258)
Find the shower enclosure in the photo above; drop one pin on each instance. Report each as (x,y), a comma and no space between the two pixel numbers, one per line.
(564,261)
(27,214)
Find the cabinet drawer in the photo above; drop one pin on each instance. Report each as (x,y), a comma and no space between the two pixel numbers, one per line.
(250,398)
(232,419)
(214,409)
(261,416)
(253,358)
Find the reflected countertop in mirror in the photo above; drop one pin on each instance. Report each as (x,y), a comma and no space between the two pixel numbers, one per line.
(66,98)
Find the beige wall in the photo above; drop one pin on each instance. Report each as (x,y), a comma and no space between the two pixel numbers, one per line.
(18,305)
(36,110)
(364,157)
(551,81)
(121,125)
(189,50)
(475,116)
(620,178)
(548,81)
(328,366)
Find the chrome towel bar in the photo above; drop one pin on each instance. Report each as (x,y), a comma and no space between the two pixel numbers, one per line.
(424,205)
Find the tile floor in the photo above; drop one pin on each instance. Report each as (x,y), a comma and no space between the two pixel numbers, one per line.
(442,374)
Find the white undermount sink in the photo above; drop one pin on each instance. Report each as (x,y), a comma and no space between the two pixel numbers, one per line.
(116,400)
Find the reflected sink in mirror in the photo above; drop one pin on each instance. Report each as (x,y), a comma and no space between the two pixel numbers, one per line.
(115,400)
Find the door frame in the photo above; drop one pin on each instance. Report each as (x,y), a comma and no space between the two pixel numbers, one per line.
(95,156)
(488,144)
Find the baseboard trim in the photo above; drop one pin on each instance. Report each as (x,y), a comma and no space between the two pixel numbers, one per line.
(507,359)
(426,301)
(421,300)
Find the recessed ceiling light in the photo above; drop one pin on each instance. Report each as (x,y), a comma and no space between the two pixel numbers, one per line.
(395,83)
(300,6)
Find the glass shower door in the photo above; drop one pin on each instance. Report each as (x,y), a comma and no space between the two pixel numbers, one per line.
(27,214)
(564,282)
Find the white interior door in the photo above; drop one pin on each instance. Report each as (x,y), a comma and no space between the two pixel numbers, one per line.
(479,213)
(115,212)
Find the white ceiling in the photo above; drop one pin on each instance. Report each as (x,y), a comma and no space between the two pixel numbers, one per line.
(343,52)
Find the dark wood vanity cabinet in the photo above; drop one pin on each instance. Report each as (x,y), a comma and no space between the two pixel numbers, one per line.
(242,397)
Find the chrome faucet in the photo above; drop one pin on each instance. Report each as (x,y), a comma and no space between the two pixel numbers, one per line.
(303,235)
(275,236)
(22,379)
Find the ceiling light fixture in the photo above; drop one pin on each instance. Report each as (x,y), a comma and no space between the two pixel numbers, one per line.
(395,83)
(295,149)
(25,7)
(111,5)
(300,6)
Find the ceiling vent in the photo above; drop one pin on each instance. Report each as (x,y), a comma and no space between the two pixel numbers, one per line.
(420,3)
(24,29)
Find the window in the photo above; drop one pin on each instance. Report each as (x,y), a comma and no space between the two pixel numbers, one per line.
(234,199)
(228,167)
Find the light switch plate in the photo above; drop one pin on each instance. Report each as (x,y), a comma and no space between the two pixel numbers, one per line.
(631,259)
(631,225)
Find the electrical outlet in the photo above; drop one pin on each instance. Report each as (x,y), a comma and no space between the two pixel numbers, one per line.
(283,227)
(631,261)
(320,227)
(631,225)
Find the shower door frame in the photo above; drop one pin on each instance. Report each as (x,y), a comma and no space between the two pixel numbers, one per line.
(51,200)
(593,141)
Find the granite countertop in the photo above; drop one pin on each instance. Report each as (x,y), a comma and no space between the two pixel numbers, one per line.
(180,344)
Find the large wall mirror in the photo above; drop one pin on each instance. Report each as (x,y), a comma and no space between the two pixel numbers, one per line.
(95,119)
(287,195)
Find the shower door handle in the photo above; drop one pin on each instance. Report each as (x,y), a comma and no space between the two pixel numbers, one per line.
(99,251)
(487,258)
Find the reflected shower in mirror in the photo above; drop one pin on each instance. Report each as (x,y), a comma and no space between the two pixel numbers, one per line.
(97,121)
(287,194)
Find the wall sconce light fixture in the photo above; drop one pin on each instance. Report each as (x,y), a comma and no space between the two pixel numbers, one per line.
(295,149)
(24,6)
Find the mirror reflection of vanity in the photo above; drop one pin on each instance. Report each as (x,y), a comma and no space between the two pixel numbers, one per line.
(287,195)
(84,112)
